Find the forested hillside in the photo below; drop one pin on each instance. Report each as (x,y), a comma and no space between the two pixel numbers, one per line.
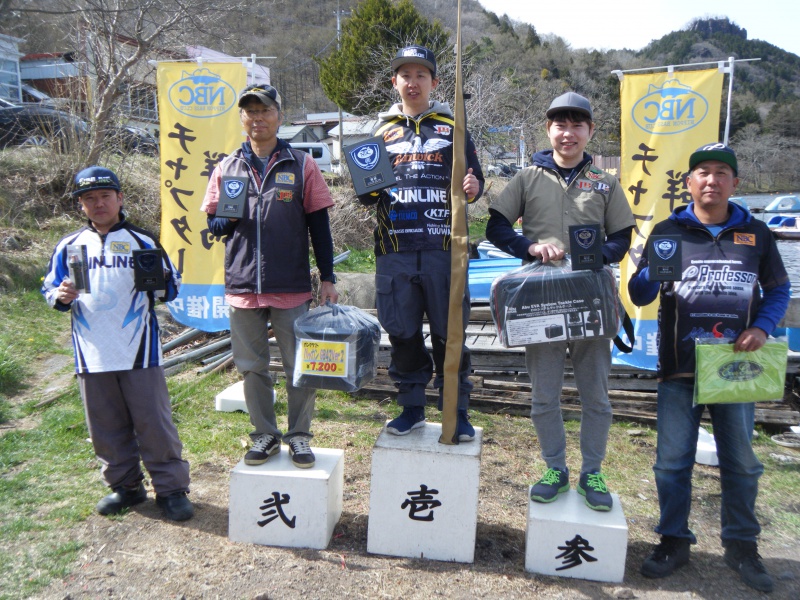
(512,71)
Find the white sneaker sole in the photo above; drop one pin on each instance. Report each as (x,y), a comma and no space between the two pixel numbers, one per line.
(416,425)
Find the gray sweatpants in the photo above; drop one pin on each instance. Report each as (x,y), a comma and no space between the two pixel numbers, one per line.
(591,361)
(130,419)
(250,344)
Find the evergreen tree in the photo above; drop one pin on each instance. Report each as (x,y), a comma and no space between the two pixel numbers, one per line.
(358,76)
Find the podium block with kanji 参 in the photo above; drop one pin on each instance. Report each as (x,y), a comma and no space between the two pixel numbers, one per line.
(277,504)
(424,496)
(567,538)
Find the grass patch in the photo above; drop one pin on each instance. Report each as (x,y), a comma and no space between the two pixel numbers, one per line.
(48,484)
(12,370)
(477,227)
(359,261)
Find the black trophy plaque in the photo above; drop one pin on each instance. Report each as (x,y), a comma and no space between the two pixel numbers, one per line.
(148,270)
(585,247)
(232,197)
(664,258)
(78,266)
(369,164)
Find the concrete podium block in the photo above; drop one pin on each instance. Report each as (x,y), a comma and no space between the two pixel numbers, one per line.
(277,504)
(232,399)
(706,453)
(423,500)
(569,539)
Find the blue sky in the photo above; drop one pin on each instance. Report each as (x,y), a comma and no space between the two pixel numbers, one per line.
(616,24)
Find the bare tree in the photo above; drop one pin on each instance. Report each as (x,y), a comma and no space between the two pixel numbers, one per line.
(114,39)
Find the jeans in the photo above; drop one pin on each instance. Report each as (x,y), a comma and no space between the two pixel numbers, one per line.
(739,468)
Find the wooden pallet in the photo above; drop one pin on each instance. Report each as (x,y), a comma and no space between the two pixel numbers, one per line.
(501,384)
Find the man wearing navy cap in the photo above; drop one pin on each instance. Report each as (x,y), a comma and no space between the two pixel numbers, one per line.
(118,351)
(721,243)
(267,268)
(560,189)
(412,239)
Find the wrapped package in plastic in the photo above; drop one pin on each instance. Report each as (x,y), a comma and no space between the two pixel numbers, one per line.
(337,348)
(723,376)
(549,302)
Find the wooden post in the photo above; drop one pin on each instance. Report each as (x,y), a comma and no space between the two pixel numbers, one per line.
(458,259)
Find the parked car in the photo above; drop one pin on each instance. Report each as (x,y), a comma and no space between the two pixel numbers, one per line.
(126,139)
(32,95)
(500,170)
(32,124)
(319,151)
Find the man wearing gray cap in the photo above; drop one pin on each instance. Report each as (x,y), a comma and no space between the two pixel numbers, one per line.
(560,189)
(724,244)
(267,269)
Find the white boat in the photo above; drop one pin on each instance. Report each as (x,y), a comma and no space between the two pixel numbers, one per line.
(785,227)
(784,204)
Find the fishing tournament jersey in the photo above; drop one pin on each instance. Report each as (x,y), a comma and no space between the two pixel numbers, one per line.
(718,295)
(415,215)
(114,327)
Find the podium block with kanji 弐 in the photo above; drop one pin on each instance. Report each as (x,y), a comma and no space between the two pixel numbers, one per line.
(567,538)
(277,504)
(424,496)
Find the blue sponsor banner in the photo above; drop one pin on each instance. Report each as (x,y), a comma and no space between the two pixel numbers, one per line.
(645,349)
(202,306)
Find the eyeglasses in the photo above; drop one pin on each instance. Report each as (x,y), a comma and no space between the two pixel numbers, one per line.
(252,114)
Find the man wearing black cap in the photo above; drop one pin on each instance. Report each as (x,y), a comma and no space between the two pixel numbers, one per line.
(267,268)
(118,351)
(725,247)
(412,238)
(560,189)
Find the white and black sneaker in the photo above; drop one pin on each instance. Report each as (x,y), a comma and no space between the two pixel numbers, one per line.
(263,447)
(300,451)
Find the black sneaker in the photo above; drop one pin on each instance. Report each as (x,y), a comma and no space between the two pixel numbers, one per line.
(743,557)
(411,418)
(263,447)
(552,483)
(120,499)
(671,554)
(300,451)
(175,506)
(464,429)
(593,487)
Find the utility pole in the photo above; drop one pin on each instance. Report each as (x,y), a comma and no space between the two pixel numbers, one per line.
(339,14)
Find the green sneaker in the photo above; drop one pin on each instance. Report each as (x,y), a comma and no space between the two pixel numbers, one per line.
(552,483)
(593,487)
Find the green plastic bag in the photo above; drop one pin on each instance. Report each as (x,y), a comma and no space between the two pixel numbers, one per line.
(723,376)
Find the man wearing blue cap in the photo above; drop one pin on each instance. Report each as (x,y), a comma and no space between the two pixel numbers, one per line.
(725,247)
(412,239)
(117,349)
(560,189)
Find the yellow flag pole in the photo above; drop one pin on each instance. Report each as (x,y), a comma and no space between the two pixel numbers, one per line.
(458,259)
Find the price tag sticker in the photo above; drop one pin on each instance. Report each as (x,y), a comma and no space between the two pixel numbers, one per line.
(324,359)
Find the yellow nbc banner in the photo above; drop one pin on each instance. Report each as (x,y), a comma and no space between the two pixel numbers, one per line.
(199,124)
(664,118)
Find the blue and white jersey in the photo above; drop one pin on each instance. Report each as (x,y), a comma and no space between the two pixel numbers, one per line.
(114,327)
